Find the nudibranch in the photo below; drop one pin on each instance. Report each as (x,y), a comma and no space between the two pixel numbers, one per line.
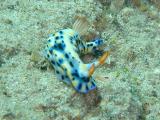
(63,50)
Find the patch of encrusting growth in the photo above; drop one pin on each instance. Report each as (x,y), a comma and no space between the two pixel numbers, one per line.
(37,61)
(105,3)
(7,52)
(92,99)
(8,116)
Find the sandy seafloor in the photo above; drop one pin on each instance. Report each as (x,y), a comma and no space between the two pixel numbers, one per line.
(129,86)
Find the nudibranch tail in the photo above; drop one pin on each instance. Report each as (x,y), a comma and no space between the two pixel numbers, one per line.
(84,87)
(81,25)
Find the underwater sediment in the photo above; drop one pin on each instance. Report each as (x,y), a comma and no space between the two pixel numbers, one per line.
(127,87)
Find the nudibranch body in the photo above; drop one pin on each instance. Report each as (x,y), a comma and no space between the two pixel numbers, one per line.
(63,50)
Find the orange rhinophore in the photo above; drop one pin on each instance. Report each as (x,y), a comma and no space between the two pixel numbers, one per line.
(91,70)
(103,58)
